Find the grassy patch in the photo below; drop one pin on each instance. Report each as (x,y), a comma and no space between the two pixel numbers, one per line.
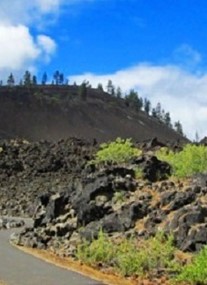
(128,257)
(196,271)
(99,251)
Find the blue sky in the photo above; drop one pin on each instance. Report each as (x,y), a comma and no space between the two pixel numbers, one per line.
(108,35)
(157,47)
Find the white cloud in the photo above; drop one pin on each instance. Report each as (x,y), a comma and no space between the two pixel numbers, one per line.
(27,12)
(180,92)
(46,45)
(19,49)
(36,11)
(48,6)
(16,47)
(186,56)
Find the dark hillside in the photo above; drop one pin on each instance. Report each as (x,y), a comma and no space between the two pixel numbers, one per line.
(54,112)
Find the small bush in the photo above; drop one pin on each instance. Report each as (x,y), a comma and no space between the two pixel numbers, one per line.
(129,258)
(119,196)
(191,160)
(151,255)
(138,173)
(100,250)
(196,271)
(118,151)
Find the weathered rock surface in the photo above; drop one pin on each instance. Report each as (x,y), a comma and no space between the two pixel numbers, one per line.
(70,199)
(9,223)
(28,170)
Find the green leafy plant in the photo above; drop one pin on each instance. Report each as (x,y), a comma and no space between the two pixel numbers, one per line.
(191,160)
(119,196)
(129,257)
(100,250)
(138,173)
(151,255)
(195,272)
(119,151)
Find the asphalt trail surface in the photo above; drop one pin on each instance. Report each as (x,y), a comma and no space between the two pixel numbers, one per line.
(19,268)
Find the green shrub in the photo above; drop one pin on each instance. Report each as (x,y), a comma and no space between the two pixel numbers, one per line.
(138,173)
(129,258)
(191,160)
(119,151)
(100,250)
(151,255)
(196,271)
(119,196)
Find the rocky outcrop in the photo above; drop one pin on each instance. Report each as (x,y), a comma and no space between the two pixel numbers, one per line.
(97,202)
(71,199)
(9,223)
(30,169)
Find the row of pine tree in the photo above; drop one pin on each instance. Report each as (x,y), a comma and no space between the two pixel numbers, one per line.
(132,98)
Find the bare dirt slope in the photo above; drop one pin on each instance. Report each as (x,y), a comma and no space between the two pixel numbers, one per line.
(55,112)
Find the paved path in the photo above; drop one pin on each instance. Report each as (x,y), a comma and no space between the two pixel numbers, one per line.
(19,268)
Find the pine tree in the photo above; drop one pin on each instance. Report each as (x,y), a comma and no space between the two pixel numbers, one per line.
(27,78)
(61,78)
(133,100)
(147,106)
(100,87)
(110,88)
(56,77)
(167,120)
(34,80)
(10,80)
(178,128)
(154,113)
(158,110)
(44,78)
(118,92)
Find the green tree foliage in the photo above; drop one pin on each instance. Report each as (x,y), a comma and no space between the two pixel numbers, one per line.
(191,160)
(100,87)
(34,80)
(154,114)
(147,106)
(11,80)
(118,92)
(167,120)
(133,100)
(83,91)
(61,79)
(158,110)
(110,88)
(178,128)
(119,151)
(44,78)
(58,77)
(27,80)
